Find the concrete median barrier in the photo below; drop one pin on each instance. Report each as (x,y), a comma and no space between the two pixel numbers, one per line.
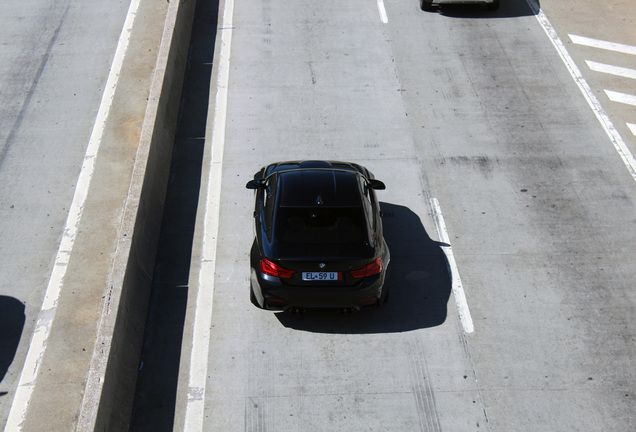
(107,401)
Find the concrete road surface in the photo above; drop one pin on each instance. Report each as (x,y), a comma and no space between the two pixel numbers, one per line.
(54,60)
(473,110)
(74,87)
(505,139)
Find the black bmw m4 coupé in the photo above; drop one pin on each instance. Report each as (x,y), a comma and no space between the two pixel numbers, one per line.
(319,242)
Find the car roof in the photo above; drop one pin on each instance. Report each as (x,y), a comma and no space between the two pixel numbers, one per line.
(311,187)
(312,164)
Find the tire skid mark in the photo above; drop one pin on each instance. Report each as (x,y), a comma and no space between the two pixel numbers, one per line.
(422,390)
(473,374)
(38,75)
(255,415)
(255,407)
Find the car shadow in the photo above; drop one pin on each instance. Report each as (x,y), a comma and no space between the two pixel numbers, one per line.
(507,9)
(418,276)
(11,325)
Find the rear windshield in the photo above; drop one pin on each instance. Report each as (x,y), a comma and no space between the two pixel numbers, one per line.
(319,225)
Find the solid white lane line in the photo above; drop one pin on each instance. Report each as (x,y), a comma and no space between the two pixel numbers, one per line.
(610,46)
(47,313)
(382,10)
(601,115)
(195,405)
(458,288)
(612,70)
(621,97)
(632,127)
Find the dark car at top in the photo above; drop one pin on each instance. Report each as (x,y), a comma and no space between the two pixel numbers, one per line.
(427,5)
(319,242)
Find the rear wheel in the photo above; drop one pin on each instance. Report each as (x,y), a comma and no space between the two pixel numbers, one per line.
(426,5)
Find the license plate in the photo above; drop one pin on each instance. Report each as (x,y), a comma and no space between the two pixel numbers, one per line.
(321,276)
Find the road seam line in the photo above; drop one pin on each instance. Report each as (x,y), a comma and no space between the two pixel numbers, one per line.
(37,347)
(458,289)
(195,404)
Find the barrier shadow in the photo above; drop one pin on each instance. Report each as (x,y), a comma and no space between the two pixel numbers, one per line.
(157,379)
(12,319)
(507,9)
(418,276)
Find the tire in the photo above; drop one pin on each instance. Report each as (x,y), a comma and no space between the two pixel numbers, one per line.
(426,5)
(494,5)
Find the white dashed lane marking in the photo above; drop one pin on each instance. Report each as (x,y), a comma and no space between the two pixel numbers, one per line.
(601,115)
(382,10)
(618,71)
(612,70)
(621,97)
(605,45)
(458,288)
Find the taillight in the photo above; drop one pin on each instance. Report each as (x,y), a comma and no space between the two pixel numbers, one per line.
(369,270)
(273,269)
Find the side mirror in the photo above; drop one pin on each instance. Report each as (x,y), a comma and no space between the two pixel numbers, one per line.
(254,184)
(376,184)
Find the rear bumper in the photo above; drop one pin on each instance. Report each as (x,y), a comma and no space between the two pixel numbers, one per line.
(272,293)
(442,2)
